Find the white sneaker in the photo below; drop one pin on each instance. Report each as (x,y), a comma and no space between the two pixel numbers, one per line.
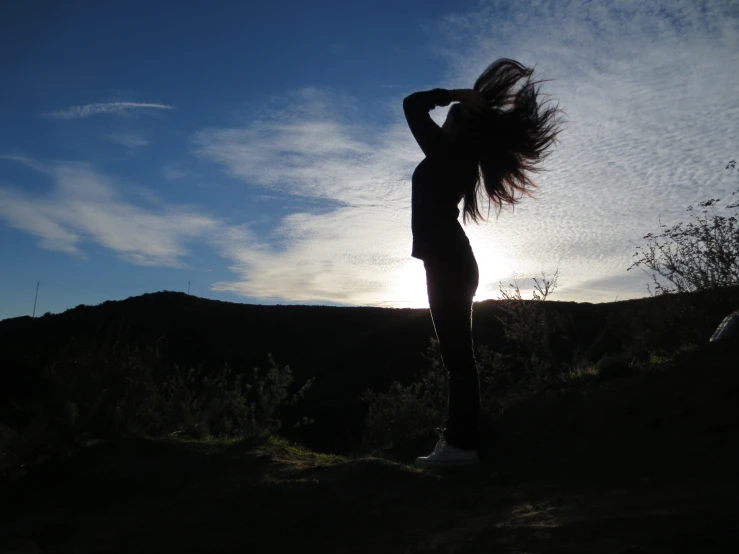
(446,455)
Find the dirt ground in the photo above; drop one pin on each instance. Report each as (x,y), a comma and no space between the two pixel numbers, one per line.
(140,496)
(641,462)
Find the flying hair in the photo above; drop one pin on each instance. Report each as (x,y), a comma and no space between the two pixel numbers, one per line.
(511,140)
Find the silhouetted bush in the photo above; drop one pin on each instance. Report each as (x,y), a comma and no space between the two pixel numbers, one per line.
(532,329)
(95,391)
(655,333)
(407,412)
(697,256)
(701,256)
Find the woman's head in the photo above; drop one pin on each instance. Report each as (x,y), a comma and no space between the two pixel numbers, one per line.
(458,123)
(453,123)
(511,140)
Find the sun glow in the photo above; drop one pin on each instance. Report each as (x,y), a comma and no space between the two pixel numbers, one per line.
(407,284)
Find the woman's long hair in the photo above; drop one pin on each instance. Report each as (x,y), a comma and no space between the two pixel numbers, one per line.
(511,140)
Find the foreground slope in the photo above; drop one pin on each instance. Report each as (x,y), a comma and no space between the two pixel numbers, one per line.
(628,462)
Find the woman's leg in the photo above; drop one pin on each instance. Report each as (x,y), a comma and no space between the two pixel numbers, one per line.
(451,287)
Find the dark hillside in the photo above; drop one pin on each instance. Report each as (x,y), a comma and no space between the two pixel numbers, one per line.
(611,458)
(646,463)
(347,350)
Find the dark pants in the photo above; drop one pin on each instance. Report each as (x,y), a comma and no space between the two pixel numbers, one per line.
(451,283)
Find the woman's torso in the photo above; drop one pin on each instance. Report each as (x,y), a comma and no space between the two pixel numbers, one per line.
(438,185)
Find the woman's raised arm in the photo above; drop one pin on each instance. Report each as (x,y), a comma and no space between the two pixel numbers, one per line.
(427,133)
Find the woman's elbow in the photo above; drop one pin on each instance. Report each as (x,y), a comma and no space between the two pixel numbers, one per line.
(408,100)
(409,104)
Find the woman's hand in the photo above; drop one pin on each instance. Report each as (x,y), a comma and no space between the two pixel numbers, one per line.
(471,100)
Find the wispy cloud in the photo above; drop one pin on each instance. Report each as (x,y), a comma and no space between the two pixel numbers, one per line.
(173,171)
(128,140)
(353,247)
(78,112)
(86,206)
(651,109)
(28,162)
(305,148)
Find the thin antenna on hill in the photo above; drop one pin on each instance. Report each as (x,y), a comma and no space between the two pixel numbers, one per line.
(38,283)
(188,287)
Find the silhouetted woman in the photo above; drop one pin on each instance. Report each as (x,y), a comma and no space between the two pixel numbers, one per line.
(495,135)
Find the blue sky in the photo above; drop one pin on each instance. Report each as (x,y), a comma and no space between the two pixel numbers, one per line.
(260,152)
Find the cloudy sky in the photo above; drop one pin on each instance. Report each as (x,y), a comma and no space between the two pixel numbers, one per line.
(259,152)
